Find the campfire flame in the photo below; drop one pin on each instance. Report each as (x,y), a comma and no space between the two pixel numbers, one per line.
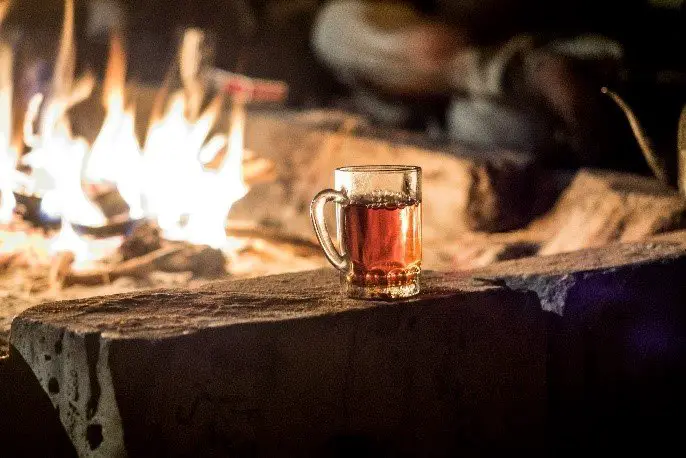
(8,153)
(69,241)
(115,156)
(226,185)
(56,156)
(190,201)
(180,178)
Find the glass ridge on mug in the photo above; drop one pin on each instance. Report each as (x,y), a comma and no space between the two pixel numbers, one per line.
(379,228)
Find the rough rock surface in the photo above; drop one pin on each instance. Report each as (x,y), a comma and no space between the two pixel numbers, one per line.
(281,365)
(284,366)
(597,208)
(617,357)
(461,190)
(601,207)
(553,277)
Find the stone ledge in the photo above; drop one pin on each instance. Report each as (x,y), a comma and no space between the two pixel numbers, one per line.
(284,366)
(617,350)
(173,312)
(553,277)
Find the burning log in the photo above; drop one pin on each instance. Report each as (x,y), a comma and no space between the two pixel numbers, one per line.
(136,267)
(250,229)
(145,238)
(202,261)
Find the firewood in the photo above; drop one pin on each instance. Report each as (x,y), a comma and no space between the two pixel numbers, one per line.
(201,260)
(108,199)
(136,267)
(250,229)
(144,238)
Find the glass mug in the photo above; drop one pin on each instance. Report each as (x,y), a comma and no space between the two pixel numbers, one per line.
(379,221)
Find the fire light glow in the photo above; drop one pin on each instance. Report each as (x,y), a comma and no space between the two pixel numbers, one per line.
(168,179)
(8,154)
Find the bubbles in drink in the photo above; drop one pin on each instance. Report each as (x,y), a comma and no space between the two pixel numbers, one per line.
(384,199)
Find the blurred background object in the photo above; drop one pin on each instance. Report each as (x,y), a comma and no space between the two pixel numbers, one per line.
(518,74)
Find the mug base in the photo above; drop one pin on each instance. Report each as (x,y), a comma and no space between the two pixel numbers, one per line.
(380,292)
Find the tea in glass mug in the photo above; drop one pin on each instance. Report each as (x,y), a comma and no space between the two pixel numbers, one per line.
(379,227)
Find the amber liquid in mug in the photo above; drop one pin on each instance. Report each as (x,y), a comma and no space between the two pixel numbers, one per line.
(384,242)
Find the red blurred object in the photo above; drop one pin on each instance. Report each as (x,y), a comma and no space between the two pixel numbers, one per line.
(253,89)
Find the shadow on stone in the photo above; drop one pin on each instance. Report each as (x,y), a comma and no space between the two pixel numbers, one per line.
(29,425)
(619,365)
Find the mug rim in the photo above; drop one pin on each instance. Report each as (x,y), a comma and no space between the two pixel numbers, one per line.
(379,168)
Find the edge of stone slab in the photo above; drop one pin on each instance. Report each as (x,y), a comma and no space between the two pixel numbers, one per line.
(552,277)
(172,312)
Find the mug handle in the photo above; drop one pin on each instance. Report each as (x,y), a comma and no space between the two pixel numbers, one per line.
(339,260)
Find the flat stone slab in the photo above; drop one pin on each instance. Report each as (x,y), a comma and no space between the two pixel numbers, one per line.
(284,366)
(561,354)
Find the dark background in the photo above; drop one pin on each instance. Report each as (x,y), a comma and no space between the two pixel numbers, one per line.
(271,39)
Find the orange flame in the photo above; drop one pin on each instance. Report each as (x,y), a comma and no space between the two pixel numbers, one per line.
(167,180)
(56,157)
(8,154)
(115,155)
